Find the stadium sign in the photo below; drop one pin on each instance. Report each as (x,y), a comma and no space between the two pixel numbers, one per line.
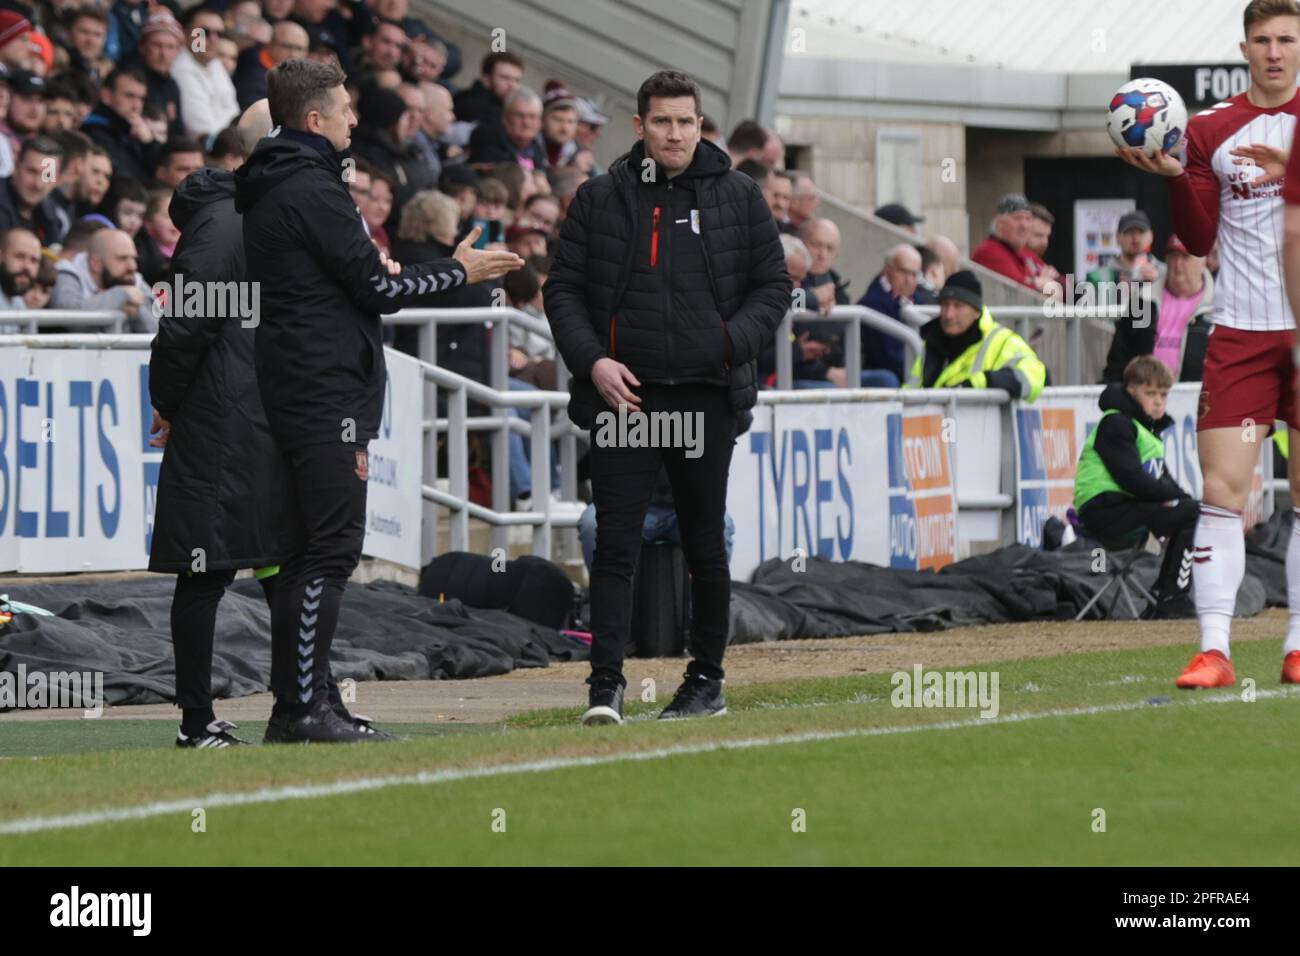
(1201,85)
(79,480)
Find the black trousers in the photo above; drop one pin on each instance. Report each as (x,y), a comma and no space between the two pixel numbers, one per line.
(329,501)
(193,619)
(622,483)
(1113,516)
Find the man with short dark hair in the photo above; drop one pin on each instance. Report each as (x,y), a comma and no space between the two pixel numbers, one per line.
(668,281)
(176,160)
(117,124)
(747,141)
(24,195)
(777,188)
(64,198)
(383,47)
(500,75)
(320,366)
(96,178)
(87,33)
(60,107)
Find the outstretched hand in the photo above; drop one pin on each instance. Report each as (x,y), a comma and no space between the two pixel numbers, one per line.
(482,265)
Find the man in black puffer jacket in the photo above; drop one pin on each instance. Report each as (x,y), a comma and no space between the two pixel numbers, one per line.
(668,281)
(320,365)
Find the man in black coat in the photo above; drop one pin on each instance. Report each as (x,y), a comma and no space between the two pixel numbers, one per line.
(117,124)
(320,366)
(221,485)
(668,281)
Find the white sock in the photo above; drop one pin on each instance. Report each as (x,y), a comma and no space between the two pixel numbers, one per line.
(1219,564)
(1292,642)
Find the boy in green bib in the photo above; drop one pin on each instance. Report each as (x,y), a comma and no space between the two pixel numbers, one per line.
(1122,490)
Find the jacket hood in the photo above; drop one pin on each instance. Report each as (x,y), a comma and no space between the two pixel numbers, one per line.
(1115,396)
(274,161)
(200,188)
(709,160)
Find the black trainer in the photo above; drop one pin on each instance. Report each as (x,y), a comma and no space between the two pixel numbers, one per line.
(604,704)
(362,723)
(320,725)
(216,735)
(697,697)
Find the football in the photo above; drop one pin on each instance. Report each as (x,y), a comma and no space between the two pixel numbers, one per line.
(1148,114)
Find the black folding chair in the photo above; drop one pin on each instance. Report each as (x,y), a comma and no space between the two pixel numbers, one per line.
(1122,555)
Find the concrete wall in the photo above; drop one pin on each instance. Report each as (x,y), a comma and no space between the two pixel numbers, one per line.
(995,164)
(842,153)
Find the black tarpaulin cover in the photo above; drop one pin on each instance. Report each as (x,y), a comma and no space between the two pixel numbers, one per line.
(389,632)
(385,632)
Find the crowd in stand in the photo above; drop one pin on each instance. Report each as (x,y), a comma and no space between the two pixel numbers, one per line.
(106,108)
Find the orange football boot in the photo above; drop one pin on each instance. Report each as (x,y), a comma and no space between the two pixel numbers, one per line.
(1291,668)
(1209,669)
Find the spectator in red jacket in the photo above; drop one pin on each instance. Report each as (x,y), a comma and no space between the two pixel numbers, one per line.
(1003,251)
(1040,234)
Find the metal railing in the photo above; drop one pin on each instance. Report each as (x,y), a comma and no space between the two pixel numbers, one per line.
(852,318)
(498,426)
(33,320)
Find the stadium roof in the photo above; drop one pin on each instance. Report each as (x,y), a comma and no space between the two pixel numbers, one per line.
(1060,36)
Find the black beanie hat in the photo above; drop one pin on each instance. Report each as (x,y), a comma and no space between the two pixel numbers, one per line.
(964,287)
(381,108)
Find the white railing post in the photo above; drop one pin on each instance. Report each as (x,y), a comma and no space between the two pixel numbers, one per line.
(541,465)
(784,365)
(458,467)
(430,512)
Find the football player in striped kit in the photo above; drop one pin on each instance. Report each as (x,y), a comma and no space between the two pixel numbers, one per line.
(1230,188)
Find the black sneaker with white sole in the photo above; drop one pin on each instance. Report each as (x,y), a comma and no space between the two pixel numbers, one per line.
(362,723)
(697,697)
(319,725)
(215,735)
(604,704)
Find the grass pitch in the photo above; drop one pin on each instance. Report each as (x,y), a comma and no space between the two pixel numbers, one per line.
(802,772)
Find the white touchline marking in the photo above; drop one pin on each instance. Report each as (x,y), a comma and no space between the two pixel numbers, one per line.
(428,777)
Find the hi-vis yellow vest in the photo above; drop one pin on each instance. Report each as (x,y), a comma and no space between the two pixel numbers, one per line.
(998,348)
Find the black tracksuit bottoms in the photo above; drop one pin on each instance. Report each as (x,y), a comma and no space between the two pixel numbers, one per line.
(1120,515)
(194,619)
(622,483)
(329,497)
